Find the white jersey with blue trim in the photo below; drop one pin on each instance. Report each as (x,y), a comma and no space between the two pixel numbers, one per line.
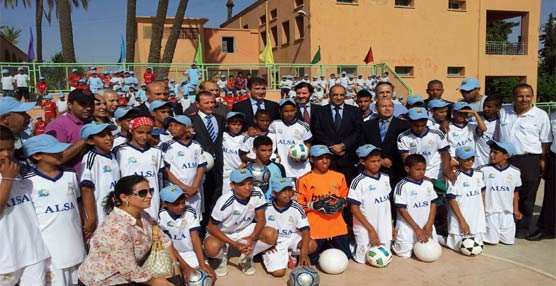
(428,145)
(287,221)
(461,136)
(286,135)
(183,159)
(417,198)
(482,149)
(467,191)
(179,228)
(231,145)
(500,185)
(232,214)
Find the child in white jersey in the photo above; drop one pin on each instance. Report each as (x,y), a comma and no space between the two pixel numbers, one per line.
(466,215)
(369,196)
(99,173)
(160,110)
(232,224)
(232,141)
(439,110)
(23,256)
(462,132)
(415,201)
(491,107)
(55,196)
(261,123)
(137,157)
(290,221)
(502,182)
(184,160)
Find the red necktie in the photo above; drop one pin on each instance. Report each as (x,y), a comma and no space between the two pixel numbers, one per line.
(306,116)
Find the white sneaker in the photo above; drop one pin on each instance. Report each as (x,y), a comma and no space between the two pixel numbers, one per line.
(247,266)
(222,269)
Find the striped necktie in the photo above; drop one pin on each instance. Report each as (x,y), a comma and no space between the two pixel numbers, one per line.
(210,128)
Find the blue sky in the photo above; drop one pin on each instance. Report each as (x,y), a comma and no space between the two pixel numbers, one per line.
(97,30)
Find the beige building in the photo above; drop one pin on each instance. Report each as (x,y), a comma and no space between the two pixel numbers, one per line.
(10,53)
(420,39)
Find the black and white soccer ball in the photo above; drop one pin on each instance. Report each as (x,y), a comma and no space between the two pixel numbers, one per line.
(261,175)
(199,277)
(304,276)
(471,246)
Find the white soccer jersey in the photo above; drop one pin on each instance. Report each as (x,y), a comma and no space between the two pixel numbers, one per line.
(461,136)
(119,139)
(500,185)
(179,228)
(372,195)
(230,147)
(19,230)
(428,145)
(417,198)
(247,146)
(231,214)
(146,162)
(55,201)
(286,135)
(482,149)
(287,221)
(467,191)
(100,172)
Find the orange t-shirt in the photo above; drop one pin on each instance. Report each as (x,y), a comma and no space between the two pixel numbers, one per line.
(313,187)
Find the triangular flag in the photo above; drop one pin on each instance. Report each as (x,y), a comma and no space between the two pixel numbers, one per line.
(122,49)
(369,57)
(316,58)
(266,56)
(31,49)
(199,53)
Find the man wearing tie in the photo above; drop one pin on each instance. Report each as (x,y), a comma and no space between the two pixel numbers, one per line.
(338,126)
(257,92)
(303,93)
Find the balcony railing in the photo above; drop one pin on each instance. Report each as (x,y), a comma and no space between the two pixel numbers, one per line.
(505,48)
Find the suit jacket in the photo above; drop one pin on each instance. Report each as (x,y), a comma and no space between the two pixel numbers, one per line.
(202,136)
(246,108)
(314,107)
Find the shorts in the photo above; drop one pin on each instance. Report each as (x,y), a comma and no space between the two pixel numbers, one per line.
(238,235)
(30,275)
(406,238)
(453,241)
(500,227)
(61,277)
(190,258)
(279,259)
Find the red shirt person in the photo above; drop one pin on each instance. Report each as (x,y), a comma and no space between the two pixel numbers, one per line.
(74,78)
(149,76)
(49,108)
(40,125)
(42,86)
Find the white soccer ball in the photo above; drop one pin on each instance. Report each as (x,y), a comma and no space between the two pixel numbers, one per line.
(427,252)
(471,246)
(379,256)
(261,175)
(199,278)
(298,152)
(209,159)
(333,261)
(304,276)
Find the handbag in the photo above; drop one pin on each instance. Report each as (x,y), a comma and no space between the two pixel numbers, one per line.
(159,263)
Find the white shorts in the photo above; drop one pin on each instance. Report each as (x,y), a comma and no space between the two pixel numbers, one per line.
(61,277)
(190,257)
(453,241)
(31,275)
(279,258)
(500,227)
(403,246)
(238,235)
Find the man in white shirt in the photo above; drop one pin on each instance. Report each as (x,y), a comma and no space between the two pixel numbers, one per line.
(21,81)
(7,83)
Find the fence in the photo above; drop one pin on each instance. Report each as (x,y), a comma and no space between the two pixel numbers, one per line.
(505,48)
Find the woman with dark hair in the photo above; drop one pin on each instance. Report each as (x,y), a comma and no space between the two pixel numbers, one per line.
(123,240)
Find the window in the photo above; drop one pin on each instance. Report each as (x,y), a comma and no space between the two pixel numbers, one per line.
(228,45)
(245,26)
(263,37)
(300,27)
(346,1)
(273,14)
(404,71)
(274,31)
(185,33)
(456,71)
(298,3)
(456,5)
(262,19)
(403,3)
(286,32)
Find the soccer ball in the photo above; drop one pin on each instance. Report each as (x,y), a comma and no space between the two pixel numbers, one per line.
(199,278)
(261,175)
(471,246)
(304,276)
(298,152)
(333,261)
(209,159)
(379,256)
(427,252)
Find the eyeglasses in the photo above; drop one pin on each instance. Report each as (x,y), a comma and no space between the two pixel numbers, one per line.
(143,193)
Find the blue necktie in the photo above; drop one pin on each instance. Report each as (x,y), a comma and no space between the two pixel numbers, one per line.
(337,118)
(382,129)
(210,128)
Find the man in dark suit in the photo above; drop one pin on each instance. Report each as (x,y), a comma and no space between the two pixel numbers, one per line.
(383,132)
(209,128)
(257,93)
(303,93)
(158,90)
(338,126)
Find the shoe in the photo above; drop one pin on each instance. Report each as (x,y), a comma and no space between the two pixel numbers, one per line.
(539,235)
(222,269)
(247,266)
(521,235)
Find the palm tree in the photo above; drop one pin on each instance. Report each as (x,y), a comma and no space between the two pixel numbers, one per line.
(131,30)
(170,47)
(11,34)
(157,31)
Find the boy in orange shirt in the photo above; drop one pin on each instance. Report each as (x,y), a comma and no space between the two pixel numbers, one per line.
(322,193)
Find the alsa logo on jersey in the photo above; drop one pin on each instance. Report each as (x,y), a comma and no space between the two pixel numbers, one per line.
(425,153)
(59,208)
(382,199)
(229,151)
(464,142)
(131,160)
(189,165)
(146,174)
(284,232)
(286,142)
(106,169)
(472,193)
(245,219)
(17,200)
(43,193)
(179,236)
(499,189)
(422,204)
(181,154)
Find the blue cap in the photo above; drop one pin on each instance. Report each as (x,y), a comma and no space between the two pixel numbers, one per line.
(19,68)
(5,71)
(465,152)
(350,87)
(121,112)
(158,104)
(48,96)
(469,84)
(507,146)
(181,119)
(287,101)
(125,88)
(417,113)
(10,104)
(41,77)
(73,70)
(414,98)
(143,84)
(38,117)
(104,72)
(43,143)
(365,150)
(279,184)
(95,128)
(131,72)
(81,81)
(171,193)
(240,175)
(461,105)
(319,150)
(437,103)
(306,74)
(157,131)
(61,94)
(233,114)
(343,72)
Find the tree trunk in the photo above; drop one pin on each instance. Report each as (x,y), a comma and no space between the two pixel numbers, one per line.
(157,32)
(66,30)
(38,29)
(131,31)
(170,47)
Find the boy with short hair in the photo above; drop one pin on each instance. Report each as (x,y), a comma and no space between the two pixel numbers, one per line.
(462,132)
(415,201)
(261,123)
(466,215)
(439,113)
(160,110)
(262,147)
(232,224)
(364,101)
(290,221)
(232,140)
(322,193)
(502,182)
(491,107)
(123,117)
(55,196)
(369,198)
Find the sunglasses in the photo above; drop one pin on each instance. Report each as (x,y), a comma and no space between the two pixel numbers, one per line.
(143,193)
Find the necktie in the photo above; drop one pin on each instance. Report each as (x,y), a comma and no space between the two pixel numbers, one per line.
(306,116)
(382,129)
(210,128)
(259,106)
(337,119)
